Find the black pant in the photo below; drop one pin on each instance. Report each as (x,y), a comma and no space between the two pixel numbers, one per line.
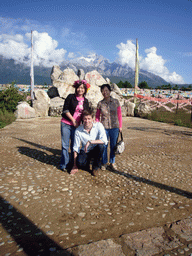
(83,159)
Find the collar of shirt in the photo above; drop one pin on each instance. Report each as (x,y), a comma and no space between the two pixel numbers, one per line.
(93,127)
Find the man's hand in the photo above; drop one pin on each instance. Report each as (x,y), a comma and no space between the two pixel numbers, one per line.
(87,145)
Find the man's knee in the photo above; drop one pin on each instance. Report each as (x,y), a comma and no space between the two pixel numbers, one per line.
(82,159)
(101,147)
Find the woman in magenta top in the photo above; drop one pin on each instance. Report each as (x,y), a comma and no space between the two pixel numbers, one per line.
(109,114)
(71,118)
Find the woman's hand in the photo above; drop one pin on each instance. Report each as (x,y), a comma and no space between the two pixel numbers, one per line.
(120,129)
(74,123)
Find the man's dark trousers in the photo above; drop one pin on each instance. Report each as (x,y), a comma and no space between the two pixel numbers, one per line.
(95,154)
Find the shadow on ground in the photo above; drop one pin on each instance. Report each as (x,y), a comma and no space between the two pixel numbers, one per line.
(154,183)
(40,155)
(26,234)
(167,132)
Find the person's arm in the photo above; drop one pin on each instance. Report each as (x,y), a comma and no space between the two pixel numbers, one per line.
(68,114)
(119,115)
(93,142)
(66,108)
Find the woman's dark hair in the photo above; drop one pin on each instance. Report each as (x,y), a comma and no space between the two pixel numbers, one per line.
(105,85)
(77,84)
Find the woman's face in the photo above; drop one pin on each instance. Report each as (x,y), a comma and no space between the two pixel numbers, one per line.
(105,92)
(80,90)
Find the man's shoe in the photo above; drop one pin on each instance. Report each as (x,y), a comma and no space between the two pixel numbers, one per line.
(95,172)
(63,169)
(104,167)
(113,166)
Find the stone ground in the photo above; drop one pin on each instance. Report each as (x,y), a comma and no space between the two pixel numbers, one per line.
(144,208)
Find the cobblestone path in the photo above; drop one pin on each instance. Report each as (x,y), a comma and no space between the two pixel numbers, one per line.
(144,208)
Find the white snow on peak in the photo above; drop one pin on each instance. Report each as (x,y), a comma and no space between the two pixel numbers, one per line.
(89,58)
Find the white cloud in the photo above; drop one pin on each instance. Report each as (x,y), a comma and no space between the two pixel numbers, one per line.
(18,48)
(127,53)
(45,52)
(71,55)
(152,62)
(13,47)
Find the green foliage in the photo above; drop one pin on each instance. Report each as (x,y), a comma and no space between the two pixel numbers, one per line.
(143,85)
(6,118)
(9,99)
(120,84)
(176,87)
(189,88)
(164,87)
(181,118)
(125,84)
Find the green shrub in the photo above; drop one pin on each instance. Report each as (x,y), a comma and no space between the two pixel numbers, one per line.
(181,118)
(6,118)
(9,99)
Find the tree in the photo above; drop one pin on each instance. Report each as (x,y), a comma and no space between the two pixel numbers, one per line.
(143,85)
(125,84)
(9,99)
(120,84)
(175,87)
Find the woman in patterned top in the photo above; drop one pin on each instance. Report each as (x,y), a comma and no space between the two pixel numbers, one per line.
(71,118)
(109,114)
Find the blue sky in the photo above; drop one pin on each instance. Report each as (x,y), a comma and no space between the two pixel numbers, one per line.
(68,29)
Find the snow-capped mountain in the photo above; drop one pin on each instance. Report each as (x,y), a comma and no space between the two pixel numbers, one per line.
(114,71)
(9,71)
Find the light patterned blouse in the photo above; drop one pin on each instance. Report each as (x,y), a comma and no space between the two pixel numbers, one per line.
(109,113)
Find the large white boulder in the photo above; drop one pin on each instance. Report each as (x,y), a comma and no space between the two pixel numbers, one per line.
(41,95)
(94,95)
(64,89)
(55,73)
(130,106)
(64,81)
(94,78)
(143,109)
(24,111)
(41,103)
(68,76)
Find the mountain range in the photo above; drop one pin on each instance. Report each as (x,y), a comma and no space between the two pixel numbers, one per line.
(20,73)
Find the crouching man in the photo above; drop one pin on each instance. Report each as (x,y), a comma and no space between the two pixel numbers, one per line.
(89,141)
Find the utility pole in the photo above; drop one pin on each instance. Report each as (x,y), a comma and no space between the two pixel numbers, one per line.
(177,107)
(136,70)
(191,110)
(32,71)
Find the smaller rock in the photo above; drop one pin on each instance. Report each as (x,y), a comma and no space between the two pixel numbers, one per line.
(24,111)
